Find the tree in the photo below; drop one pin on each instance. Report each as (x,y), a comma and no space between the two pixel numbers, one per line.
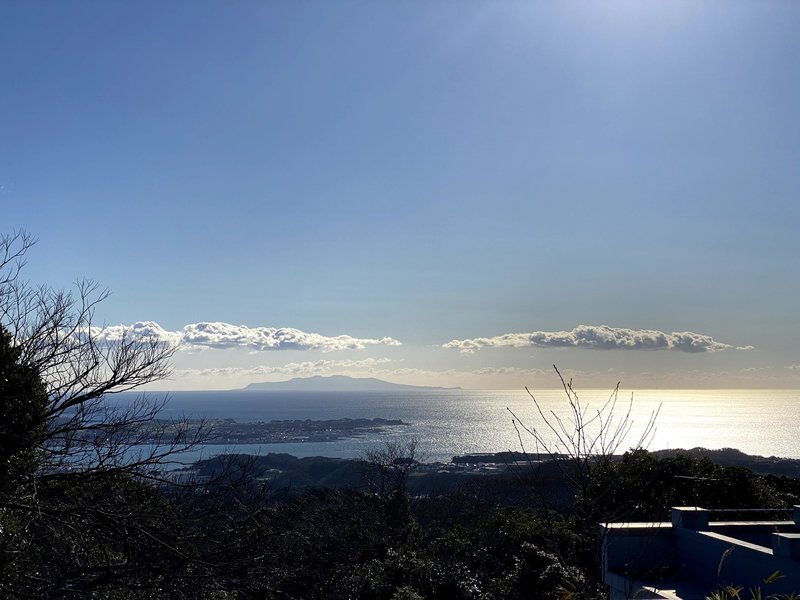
(82,364)
(584,444)
(387,467)
(23,402)
(77,512)
(584,447)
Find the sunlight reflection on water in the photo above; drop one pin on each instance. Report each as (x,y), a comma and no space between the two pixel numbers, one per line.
(452,422)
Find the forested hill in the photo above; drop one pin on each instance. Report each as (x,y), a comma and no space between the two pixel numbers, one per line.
(730,457)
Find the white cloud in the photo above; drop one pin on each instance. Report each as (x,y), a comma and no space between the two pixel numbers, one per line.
(140,329)
(597,337)
(510,371)
(225,335)
(293,368)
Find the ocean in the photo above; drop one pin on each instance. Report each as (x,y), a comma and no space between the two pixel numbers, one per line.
(453,422)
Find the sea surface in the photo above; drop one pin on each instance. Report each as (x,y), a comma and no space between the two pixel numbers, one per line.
(453,422)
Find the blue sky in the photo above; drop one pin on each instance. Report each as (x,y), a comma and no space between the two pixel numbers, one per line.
(418,173)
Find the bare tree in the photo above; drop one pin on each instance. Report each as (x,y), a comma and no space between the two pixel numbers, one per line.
(81,367)
(583,447)
(387,467)
(584,443)
(77,514)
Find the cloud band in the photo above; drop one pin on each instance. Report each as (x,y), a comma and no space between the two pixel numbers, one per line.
(224,335)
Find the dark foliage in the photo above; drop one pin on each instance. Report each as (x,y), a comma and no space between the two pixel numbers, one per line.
(84,516)
(23,402)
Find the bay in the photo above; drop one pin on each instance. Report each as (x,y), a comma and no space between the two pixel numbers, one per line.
(453,422)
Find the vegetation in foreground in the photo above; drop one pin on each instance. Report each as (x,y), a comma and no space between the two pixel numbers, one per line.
(84,513)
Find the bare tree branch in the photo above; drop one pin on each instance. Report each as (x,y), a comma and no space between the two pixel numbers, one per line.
(79,472)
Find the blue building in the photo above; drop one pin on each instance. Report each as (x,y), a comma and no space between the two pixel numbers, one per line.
(699,550)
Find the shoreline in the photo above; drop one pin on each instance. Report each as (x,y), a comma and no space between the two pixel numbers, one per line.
(498,462)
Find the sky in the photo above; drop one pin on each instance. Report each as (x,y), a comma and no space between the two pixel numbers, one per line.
(453,193)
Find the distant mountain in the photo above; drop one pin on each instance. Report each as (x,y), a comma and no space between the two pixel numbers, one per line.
(336,383)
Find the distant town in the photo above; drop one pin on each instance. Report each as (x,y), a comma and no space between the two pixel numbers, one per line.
(229,431)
